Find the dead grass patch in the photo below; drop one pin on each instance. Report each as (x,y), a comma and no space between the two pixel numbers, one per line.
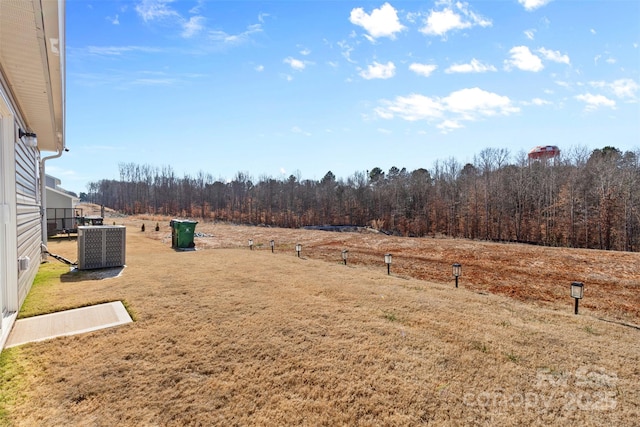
(38,300)
(45,288)
(533,274)
(229,336)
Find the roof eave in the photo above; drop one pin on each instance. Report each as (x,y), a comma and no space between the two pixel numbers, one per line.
(32,58)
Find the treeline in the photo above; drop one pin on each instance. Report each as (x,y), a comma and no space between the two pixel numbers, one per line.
(579,199)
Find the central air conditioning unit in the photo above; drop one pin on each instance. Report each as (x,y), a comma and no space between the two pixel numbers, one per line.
(101,246)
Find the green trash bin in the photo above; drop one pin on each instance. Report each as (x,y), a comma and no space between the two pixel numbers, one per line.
(182,231)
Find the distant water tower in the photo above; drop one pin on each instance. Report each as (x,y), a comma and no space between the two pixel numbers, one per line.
(543,152)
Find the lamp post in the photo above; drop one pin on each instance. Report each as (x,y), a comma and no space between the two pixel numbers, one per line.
(577,291)
(457,270)
(387,260)
(345,254)
(251,244)
(272,244)
(298,249)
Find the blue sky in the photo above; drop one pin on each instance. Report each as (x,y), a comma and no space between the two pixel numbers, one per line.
(287,87)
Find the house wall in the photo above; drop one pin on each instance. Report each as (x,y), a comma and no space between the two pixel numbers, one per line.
(32,98)
(60,212)
(28,211)
(56,199)
(20,221)
(8,242)
(52,182)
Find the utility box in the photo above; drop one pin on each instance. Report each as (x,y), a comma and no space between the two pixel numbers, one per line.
(101,246)
(182,231)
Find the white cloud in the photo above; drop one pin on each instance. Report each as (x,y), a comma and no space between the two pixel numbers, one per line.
(438,23)
(296,64)
(160,10)
(305,52)
(385,112)
(540,102)
(474,66)
(197,8)
(423,69)
(150,10)
(530,5)
(296,129)
(523,59)
(119,50)
(384,131)
(235,39)
(592,31)
(155,82)
(346,50)
(379,71)
(413,17)
(259,68)
(554,55)
(449,125)
(463,105)
(530,34)
(454,16)
(477,101)
(625,88)
(193,26)
(381,22)
(411,108)
(595,101)
(621,88)
(114,21)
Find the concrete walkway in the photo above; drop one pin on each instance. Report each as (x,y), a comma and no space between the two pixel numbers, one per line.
(69,322)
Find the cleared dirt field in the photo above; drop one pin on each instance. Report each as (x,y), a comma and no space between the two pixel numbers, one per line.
(228,336)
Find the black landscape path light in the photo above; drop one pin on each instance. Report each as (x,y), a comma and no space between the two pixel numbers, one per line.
(387,260)
(298,249)
(577,291)
(345,254)
(272,244)
(457,270)
(251,244)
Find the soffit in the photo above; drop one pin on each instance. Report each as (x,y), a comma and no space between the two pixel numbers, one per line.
(32,63)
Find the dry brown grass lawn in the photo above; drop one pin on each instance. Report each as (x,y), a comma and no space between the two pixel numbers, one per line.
(228,336)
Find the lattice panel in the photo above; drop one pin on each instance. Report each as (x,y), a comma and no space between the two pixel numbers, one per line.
(101,247)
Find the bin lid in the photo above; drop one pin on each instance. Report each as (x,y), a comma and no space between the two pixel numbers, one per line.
(181,221)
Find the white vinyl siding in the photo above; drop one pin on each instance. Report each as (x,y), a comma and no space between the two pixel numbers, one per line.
(28,217)
(8,250)
(32,98)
